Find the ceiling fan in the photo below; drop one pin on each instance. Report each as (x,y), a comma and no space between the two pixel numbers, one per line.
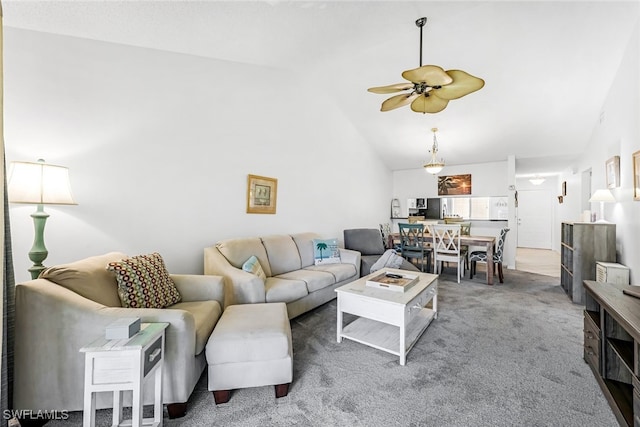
(430,88)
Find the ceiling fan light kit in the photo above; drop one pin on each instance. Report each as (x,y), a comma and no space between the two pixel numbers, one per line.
(430,88)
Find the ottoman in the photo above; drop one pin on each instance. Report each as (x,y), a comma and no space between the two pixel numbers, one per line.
(250,347)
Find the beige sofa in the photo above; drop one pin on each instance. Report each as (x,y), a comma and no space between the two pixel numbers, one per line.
(288,263)
(70,308)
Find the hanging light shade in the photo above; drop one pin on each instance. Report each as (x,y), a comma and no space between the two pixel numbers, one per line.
(536,180)
(434,166)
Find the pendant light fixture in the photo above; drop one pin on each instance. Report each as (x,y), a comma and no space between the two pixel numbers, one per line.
(536,180)
(434,166)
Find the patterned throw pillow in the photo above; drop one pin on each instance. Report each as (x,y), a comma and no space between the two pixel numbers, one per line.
(144,282)
(325,251)
(252,265)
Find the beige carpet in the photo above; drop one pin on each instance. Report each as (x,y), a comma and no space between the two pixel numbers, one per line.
(540,261)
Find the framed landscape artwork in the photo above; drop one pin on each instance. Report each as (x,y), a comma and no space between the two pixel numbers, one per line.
(612,169)
(261,194)
(636,175)
(454,185)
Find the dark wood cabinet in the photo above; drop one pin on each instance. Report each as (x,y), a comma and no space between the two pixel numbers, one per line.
(612,346)
(582,244)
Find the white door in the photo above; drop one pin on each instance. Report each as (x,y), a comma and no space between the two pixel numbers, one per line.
(535,218)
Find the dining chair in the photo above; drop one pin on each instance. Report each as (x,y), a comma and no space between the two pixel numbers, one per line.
(385,230)
(412,245)
(446,247)
(481,256)
(465,230)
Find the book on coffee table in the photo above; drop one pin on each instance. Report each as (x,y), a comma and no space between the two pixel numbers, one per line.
(393,281)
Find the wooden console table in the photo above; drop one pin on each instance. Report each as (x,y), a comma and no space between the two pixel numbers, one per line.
(612,346)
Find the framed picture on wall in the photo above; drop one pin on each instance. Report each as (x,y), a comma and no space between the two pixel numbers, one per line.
(636,175)
(454,185)
(261,194)
(612,169)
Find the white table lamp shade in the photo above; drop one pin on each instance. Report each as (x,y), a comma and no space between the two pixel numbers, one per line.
(602,196)
(39,183)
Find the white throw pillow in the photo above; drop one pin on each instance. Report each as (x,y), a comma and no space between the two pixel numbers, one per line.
(326,251)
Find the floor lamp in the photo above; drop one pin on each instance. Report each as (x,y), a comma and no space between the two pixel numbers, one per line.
(40,184)
(602,196)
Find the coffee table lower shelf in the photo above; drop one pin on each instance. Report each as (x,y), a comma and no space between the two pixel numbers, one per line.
(386,337)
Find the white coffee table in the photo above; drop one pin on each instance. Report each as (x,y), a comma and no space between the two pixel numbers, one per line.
(388,320)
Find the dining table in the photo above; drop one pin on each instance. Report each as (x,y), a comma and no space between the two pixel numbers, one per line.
(488,242)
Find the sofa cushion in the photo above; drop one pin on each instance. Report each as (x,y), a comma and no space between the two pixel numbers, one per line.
(304,242)
(315,280)
(252,265)
(326,251)
(284,290)
(339,271)
(205,314)
(89,278)
(366,262)
(282,252)
(144,282)
(237,251)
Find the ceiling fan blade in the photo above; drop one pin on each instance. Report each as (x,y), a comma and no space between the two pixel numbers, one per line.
(398,101)
(431,74)
(463,84)
(391,88)
(429,104)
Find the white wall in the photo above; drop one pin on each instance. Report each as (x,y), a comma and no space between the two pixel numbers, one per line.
(159,146)
(617,134)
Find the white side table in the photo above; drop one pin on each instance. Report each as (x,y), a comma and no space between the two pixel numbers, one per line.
(118,365)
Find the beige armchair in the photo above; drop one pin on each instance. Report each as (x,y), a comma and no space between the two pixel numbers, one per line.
(58,314)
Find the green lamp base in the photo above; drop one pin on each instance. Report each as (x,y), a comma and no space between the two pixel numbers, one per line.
(38,252)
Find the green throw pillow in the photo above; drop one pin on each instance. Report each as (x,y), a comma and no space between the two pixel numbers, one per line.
(252,265)
(144,282)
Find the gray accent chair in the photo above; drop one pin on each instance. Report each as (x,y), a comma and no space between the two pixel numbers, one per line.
(370,244)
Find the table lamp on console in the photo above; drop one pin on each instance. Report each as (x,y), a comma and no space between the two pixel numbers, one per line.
(40,184)
(603,196)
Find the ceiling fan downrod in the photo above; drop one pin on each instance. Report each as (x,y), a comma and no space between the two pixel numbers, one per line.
(420,23)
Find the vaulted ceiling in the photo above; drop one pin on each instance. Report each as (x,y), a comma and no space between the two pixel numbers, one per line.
(548,65)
